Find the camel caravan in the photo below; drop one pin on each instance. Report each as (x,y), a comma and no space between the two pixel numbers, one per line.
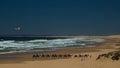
(61,56)
(111,55)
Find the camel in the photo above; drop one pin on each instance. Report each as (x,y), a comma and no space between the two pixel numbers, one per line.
(35,56)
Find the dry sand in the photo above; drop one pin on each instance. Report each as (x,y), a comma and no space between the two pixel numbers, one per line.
(71,62)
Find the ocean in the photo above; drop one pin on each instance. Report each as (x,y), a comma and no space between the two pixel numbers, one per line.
(26,44)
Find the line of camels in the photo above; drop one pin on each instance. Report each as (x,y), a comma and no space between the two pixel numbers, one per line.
(60,56)
(112,55)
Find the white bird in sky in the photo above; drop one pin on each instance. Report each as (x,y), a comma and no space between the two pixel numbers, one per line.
(18,28)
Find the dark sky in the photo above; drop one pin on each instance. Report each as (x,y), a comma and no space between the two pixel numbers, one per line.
(60,17)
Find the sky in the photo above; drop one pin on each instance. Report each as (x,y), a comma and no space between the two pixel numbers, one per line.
(60,17)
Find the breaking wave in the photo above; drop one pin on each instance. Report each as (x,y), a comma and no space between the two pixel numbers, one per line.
(40,44)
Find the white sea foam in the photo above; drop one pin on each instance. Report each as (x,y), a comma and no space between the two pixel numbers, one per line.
(12,45)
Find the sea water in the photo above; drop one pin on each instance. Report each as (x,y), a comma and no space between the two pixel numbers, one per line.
(46,44)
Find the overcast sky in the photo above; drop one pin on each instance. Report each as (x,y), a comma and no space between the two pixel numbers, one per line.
(60,17)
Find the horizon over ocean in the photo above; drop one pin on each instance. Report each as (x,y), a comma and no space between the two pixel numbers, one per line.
(8,35)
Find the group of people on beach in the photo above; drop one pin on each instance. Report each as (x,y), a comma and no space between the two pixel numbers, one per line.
(61,56)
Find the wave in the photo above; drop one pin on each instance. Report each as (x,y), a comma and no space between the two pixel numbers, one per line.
(38,44)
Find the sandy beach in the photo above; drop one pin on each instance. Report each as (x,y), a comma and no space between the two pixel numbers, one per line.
(25,60)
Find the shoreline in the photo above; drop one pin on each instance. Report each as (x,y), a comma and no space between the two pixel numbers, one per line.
(18,60)
(77,50)
(94,44)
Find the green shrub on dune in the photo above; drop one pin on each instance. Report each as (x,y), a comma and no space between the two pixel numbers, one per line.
(112,55)
(118,44)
